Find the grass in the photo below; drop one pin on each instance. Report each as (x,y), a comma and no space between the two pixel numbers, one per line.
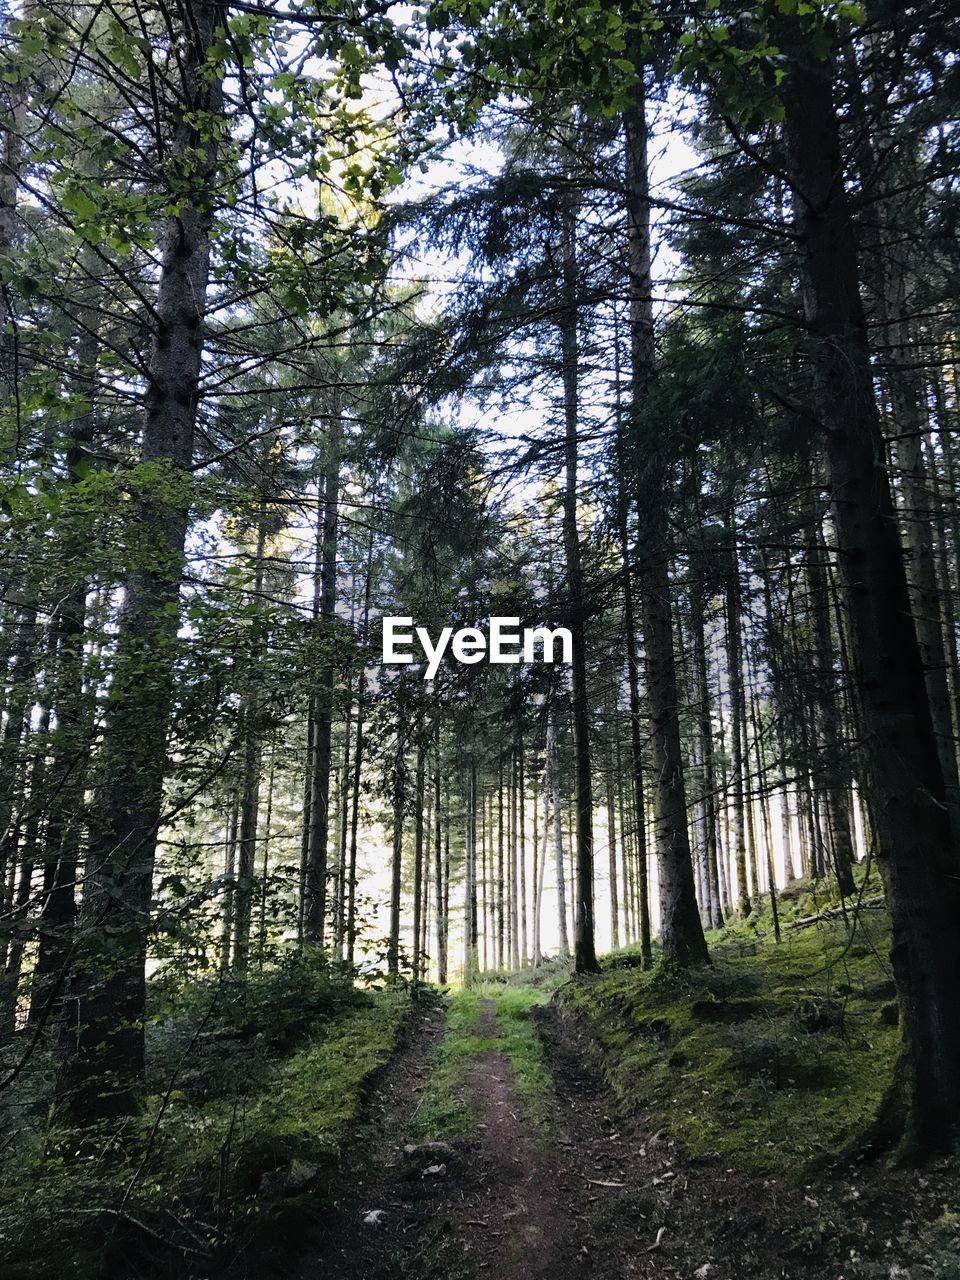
(518,1039)
(191,1178)
(444,1111)
(776,1056)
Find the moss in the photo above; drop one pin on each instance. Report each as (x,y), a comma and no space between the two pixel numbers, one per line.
(443,1111)
(778,1056)
(202,1166)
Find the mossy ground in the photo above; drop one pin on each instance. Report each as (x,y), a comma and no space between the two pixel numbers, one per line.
(181,1185)
(775,1057)
(444,1111)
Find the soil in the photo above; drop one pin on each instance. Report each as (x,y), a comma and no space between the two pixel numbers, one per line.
(600,1197)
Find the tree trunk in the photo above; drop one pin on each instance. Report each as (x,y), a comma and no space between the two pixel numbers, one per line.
(835,779)
(440,906)
(315,887)
(735,676)
(418,904)
(229,883)
(470,882)
(398,801)
(915,848)
(585,958)
(252,767)
(103,1072)
(553,766)
(680,927)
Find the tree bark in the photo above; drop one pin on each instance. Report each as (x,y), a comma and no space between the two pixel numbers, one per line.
(315,887)
(915,847)
(104,1067)
(680,927)
(585,958)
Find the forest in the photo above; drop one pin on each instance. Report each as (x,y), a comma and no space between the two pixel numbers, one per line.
(623,327)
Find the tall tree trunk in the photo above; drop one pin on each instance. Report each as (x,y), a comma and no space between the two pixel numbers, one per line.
(440,904)
(835,779)
(623,435)
(585,958)
(343,830)
(265,865)
(358,765)
(229,882)
(470,881)
(252,768)
(735,676)
(104,1067)
(680,927)
(521,799)
(705,733)
(612,861)
(916,853)
(553,766)
(514,869)
(418,903)
(315,887)
(398,790)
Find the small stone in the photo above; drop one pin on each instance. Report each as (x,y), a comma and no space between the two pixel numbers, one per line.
(428,1153)
(299,1177)
(434,1171)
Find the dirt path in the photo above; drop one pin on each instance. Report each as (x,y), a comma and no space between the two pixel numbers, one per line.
(494,1203)
(513,1216)
(595,1197)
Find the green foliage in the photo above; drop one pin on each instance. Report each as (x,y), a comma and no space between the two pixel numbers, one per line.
(276,1076)
(777,1057)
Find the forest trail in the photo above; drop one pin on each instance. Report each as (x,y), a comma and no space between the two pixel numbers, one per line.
(516,1220)
(550,1186)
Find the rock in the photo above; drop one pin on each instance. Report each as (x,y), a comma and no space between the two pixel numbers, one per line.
(428,1153)
(374,1217)
(434,1171)
(271,1184)
(299,1177)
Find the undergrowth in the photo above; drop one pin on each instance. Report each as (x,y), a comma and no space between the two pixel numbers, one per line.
(255,1094)
(776,1056)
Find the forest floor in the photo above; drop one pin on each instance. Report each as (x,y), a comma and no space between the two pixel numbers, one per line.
(493,1149)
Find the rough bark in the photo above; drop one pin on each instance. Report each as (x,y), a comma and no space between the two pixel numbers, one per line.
(915,847)
(315,886)
(585,958)
(104,1068)
(681,930)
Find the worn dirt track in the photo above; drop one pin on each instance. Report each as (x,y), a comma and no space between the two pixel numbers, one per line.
(596,1198)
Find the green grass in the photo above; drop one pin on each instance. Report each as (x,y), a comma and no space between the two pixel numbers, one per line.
(521,1044)
(197,1178)
(444,1110)
(776,1056)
